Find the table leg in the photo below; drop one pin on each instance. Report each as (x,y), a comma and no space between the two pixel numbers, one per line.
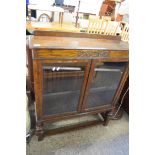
(52,17)
(62,16)
(59,17)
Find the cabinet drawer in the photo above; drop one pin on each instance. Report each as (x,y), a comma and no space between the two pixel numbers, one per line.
(78,54)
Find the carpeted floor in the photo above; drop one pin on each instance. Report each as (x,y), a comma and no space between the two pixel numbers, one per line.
(97,140)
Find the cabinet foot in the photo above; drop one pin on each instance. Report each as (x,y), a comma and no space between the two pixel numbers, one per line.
(40,137)
(39,131)
(105,118)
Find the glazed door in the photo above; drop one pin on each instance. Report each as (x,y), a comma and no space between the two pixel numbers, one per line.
(63,86)
(104,79)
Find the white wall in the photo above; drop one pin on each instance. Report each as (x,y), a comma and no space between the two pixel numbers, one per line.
(42,2)
(86,6)
(71,2)
(92,6)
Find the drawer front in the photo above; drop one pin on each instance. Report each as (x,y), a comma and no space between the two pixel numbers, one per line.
(78,54)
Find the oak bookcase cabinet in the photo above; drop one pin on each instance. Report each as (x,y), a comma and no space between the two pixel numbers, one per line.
(76,76)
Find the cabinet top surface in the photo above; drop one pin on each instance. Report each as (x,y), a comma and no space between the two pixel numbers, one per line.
(50,42)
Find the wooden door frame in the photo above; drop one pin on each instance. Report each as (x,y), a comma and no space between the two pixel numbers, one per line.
(38,78)
(118,91)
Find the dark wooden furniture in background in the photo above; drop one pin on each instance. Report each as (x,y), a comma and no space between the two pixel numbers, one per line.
(76,76)
(107,8)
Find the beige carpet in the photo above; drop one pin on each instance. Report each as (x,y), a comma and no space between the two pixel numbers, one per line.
(96,140)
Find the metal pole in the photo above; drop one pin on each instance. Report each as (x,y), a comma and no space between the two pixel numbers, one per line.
(77,16)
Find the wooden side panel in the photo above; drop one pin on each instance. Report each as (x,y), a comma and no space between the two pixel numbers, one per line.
(37,71)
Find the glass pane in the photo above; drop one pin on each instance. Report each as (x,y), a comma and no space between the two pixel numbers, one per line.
(105,81)
(61,88)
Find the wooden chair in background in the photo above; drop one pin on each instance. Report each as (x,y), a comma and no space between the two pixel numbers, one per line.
(112,28)
(101,26)
(108,18)
(93,17)
(98,17)
(125,33)
(95,26)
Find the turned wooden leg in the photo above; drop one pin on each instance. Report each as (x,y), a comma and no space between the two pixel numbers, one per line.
(105,118)
(40,131)
(40,137)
